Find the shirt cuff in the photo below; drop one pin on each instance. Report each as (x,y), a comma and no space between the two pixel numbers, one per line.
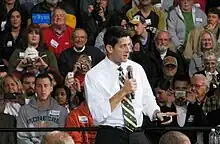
(155,115)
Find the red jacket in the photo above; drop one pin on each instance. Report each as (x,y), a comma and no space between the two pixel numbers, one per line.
(55,43)
(81,117)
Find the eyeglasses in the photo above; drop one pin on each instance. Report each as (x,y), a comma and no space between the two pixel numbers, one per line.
(197,85)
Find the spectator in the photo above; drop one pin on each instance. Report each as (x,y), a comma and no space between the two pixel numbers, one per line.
(28,83)
(69,57)
(58,35)
(41,112)
(162,93)
(174,137)
(57,79)
(211,71)
(170,66)
(188,112)
(193,37)
(33,55)
(182,19)
(200,87)
(116,20)
(144,52)
(76,81)
(163,41)
(13,34)
(57,137)
(98,18)
(48,6)
(206,42)
(13,95)
(6,121)
(6,6)
(62,95)
(155,18)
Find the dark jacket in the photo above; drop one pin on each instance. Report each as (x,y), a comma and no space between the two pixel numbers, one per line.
(213,117)
(69,57)
(8,44)
(147,58)
(7,121)
(194,117)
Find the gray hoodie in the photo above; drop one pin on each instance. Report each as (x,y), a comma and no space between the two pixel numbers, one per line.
(31,116)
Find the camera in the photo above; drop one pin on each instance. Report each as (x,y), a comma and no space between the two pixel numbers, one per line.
(11,96)
(180,94)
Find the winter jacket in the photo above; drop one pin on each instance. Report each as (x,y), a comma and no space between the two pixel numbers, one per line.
(50,58)
(176,25)
(32,116)
(81,117)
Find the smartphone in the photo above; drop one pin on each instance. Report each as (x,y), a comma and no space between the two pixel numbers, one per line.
(180,94)
(41,18)
(70,75)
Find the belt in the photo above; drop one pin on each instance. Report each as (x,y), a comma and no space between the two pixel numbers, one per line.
(139,129)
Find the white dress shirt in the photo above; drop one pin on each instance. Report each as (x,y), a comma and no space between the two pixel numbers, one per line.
(102,82)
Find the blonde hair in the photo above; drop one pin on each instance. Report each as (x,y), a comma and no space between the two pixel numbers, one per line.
(214,44)
(16,80)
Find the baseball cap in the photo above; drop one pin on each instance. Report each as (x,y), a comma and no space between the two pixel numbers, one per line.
(137,19)
(170,60)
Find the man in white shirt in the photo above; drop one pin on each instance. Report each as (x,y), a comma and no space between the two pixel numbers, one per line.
(113,108)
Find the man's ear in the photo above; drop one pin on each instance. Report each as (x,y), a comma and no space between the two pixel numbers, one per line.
(109,48)
(218,20)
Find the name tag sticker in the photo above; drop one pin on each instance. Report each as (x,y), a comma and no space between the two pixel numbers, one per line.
(9,43)
(54,43)
(197,5)
(199,19)
(83,119)
(21,55)
(54,112)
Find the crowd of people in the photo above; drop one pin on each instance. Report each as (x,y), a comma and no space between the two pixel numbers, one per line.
(174,44)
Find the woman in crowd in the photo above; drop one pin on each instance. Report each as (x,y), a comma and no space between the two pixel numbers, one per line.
(62,94)
(13,94)
(5,7)
(206,42)
(33,54)
(13,34)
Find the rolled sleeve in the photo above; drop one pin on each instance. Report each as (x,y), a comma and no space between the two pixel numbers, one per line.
(99,104)
(149,100)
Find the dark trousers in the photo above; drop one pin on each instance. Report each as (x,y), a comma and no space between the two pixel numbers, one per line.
(117,136)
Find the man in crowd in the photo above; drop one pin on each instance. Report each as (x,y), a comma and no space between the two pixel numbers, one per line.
(28,83)
(114,108)
(48,6)
(155,17)
(41,112)
(69,57)
(58,36)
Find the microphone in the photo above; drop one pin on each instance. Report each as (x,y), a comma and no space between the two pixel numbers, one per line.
(130,76)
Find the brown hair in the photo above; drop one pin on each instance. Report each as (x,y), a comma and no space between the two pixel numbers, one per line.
(34,28)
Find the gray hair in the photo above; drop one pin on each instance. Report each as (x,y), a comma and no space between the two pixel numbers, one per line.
(161,31)
(209,55)
(201,76)
(57,137)
(58,8)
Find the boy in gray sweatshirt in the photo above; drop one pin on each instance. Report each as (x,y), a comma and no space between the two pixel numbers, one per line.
(41,112)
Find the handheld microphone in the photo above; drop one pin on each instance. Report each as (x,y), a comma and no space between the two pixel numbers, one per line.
(130,76)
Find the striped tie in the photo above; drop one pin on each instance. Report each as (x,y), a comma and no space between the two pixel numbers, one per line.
(130,121)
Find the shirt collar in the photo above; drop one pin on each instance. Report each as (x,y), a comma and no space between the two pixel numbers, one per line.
(79,51)
(112,65)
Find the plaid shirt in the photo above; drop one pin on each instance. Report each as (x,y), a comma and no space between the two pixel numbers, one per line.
(211,103)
